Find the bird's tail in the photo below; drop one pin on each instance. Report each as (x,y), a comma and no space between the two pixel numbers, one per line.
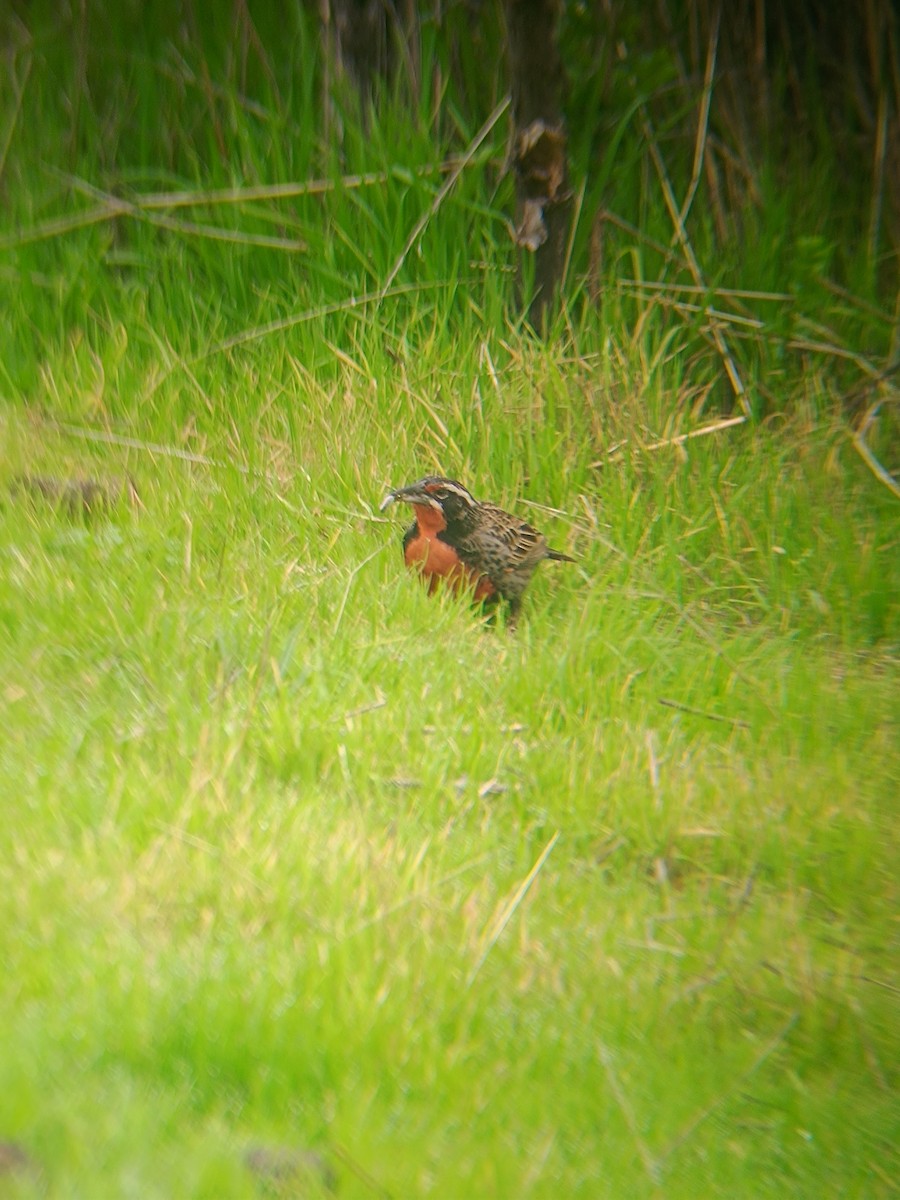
(558,556)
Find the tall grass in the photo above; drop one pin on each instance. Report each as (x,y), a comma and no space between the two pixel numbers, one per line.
(298,858)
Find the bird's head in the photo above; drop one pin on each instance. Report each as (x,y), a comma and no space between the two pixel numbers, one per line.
(446,497)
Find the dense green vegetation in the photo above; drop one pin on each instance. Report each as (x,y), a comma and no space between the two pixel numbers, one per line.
(296,857)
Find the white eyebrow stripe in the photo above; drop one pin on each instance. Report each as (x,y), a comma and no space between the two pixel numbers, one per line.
(457,489)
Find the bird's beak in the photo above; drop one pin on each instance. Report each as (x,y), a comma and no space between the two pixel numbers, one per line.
(412,495)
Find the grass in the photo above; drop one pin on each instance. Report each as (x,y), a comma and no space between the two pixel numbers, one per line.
(297,857)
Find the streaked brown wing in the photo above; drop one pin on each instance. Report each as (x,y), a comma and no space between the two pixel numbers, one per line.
(521,540)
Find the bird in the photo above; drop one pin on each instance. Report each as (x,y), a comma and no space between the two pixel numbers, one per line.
(470,545)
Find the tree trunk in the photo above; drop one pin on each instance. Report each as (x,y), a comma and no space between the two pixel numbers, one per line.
(543,200)
(363,43)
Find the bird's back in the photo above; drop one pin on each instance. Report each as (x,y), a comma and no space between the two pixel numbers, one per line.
(503,547)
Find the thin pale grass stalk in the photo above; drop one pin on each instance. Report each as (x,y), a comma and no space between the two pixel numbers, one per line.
(761,693)
(651,1164)
(740,166)
(282,191)
(865,451)
(883,64)
(250,37)
(595,261)
(548,508)
(485,355)
(703,121)
(673,441)
(104,437)
(865,306)
(343,1155)
(699,712)
(117,207)
(355,514)
(130,443)
(693,290)
(881,142)
(881,983)
(237,743)
(444,191)
(864,364)
(507,914)
(689,311)
(172,360)
(885,1178)
(347,360)
(606,214)
(421,400)
(717,314)
(197,843)
(148,202)
(693,265)
(573,227)
(56,226)
(415,897)
(714,191)
(325,310)
(696,1121)
(186,75)
(14,118)
(326,98)
(346,596)
(875,372)
(727,929)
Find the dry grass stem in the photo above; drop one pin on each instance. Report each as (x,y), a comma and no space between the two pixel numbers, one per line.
(705,431)
(19,89)
(115,206)
(699,712)
(833,351)
(325,310)
(716,316)
(653,285)
(145,205)
(651,1165)
(505,917)
(157,448)
(443,192)
(696,1121)
(881,145)
(693,264)
(353,574)
(632,230)
(703,120)
(865,452)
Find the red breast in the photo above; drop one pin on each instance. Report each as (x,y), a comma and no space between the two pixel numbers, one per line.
(437,560)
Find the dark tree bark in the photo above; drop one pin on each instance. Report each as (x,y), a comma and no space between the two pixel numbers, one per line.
(539,158)
(369,41)
(363,42)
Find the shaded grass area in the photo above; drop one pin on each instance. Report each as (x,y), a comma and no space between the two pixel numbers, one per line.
(297,857)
